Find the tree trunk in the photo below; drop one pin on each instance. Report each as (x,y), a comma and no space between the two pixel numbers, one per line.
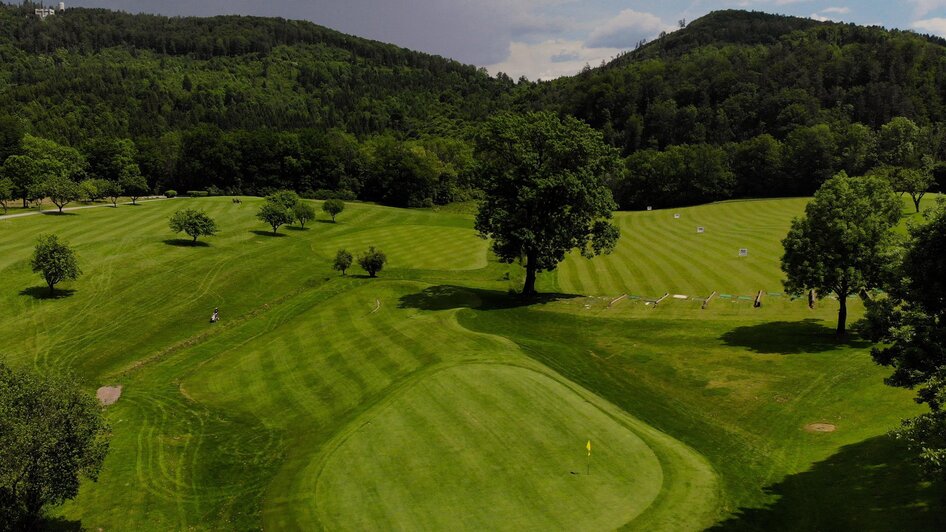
(52,288)
(916,202)
(195,239)
(529,288)
(842,316)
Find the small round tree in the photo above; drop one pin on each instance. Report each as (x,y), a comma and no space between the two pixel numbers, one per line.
(333,207)
(274,214)
(51,435)
(372,261)
(303,212)
(55,261)
(110,190)
(60,190)
(342,261)
(135,185)
(193,222)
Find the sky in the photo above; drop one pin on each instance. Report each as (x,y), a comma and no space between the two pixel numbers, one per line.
(539,39)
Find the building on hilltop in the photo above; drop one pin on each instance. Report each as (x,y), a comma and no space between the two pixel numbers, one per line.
(43,12)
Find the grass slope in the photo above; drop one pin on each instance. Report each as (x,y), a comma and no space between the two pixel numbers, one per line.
(429,398)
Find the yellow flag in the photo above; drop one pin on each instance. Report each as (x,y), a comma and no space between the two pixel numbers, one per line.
(588,447)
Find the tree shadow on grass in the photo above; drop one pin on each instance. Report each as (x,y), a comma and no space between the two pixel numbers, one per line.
(57,213)
(295,228)
(185,243)
(267,233)
(790,337)
(446,297)
(325,221)
(60,524)
(871,485)
(42,292)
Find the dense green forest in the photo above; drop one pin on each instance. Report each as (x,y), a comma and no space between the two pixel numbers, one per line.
(736,104)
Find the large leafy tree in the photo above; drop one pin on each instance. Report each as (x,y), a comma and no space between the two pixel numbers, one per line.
(544,191)
(51,435)
(59,189)
(909,326)
(275,214)
(845,242)
(193,222)
(55,261)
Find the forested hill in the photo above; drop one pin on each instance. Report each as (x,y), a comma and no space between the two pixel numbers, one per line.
(747,104)
(735,104)
(90,72)
(733,75)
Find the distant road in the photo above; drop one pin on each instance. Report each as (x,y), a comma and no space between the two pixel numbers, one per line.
(54,211)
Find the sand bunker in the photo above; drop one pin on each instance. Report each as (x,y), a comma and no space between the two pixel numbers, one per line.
(107,395)
(820,427)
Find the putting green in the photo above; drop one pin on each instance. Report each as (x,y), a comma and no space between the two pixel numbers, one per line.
(492,447)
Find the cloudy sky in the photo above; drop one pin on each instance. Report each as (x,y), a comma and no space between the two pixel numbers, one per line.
(540,39)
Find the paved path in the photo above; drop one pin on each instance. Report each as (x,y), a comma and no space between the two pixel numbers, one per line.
(54,211)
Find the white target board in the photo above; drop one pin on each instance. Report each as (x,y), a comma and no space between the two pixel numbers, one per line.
(650,208)
(743,252)
(676,216)
(700,230)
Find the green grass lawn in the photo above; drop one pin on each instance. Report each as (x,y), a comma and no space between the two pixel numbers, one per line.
(430,398)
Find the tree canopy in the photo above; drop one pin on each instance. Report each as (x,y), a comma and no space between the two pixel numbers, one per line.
(55,261)
(544,191)
(909,327)
(52,434)
(193,222)
(845,243)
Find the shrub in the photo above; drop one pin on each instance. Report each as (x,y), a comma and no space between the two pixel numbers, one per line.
(197,193)
(170,193)
(372,261)
(342,261)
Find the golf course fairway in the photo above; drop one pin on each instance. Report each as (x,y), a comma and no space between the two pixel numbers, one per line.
(433,397)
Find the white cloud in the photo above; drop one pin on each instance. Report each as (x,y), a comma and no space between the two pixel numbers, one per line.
(830,13)
(551,59)
(924,7)
(626,29)
(936,26)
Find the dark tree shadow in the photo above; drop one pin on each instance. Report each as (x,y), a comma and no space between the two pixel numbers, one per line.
(185,243)
(325,221)
(871,485)
(57,213)
(296,228)
(266,233)
(790,337)
(60,524)
(446,297)
(42,292)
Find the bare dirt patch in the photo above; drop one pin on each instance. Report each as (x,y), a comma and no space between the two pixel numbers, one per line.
(821,427)
(107,395)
